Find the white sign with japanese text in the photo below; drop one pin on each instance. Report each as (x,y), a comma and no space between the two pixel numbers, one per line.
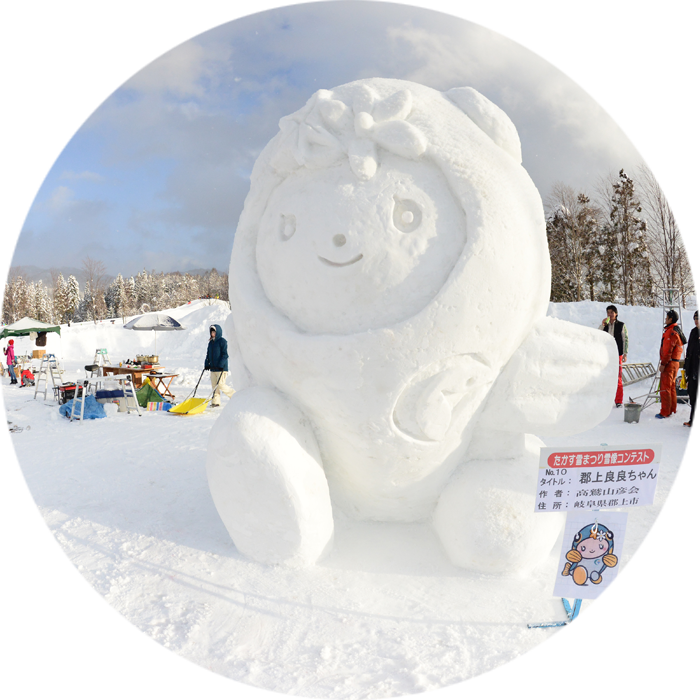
(594,478)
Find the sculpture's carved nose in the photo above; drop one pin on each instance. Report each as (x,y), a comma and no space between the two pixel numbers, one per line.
(339,240)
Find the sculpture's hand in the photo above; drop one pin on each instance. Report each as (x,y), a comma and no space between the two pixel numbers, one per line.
(558,382)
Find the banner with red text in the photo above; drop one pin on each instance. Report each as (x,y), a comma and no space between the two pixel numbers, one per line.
(597,478)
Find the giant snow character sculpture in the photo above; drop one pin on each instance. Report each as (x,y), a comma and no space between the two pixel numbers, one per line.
(389,283)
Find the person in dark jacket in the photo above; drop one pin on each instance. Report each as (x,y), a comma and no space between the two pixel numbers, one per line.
(618,330)
(216,362)
(691,366)
(669,360)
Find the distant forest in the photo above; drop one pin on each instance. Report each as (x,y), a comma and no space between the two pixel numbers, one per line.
(621,245)
(63,300)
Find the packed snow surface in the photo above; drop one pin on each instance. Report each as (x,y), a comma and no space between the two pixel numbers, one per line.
(385,614)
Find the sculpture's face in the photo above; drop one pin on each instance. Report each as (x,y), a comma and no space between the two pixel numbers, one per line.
(340,255)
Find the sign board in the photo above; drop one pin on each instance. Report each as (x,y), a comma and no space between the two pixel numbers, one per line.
(590,555)
(595,478)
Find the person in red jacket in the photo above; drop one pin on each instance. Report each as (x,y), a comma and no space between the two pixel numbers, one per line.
(670,355)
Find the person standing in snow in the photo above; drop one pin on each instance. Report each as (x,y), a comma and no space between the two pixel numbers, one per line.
(10,358)
(617,330)
(217,363)
(691,366)
(670,355)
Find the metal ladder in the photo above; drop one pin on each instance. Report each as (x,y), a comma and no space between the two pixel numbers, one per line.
(101,357)
(49,367)
(633,372)
(671,299)
(130,398)
(85,389)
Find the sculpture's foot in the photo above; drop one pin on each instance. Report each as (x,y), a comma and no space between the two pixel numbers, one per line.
(266,479)
(486,519)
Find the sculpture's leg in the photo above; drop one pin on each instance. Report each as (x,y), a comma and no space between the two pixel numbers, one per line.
(486,519)
(266,479)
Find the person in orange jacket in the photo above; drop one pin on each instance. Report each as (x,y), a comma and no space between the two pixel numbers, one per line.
(670,355)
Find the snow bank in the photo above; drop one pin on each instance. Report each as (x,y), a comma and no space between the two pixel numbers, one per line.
(644,325)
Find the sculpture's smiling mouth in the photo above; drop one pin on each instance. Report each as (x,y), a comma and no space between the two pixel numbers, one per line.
(352,261)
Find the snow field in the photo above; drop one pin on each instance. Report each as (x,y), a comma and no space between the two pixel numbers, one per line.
(384,615)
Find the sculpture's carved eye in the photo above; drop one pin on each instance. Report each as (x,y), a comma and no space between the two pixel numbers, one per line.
(407,215)
(287,226)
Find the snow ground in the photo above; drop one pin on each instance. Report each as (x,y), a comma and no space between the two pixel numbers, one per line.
(384,615)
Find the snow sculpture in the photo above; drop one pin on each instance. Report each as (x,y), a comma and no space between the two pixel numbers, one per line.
(389,283)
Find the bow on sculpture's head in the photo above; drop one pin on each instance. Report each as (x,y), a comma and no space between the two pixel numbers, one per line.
(327,129)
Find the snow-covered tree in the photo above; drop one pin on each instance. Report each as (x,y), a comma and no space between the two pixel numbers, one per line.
(7,304)
(60,299)
(18,298)
(72,297)
(625,237)
(572,234)
(84,312)
(43,308)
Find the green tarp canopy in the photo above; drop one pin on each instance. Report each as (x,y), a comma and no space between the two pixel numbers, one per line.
(25,326)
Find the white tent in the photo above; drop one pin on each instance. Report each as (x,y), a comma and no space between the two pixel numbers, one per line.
(27,325)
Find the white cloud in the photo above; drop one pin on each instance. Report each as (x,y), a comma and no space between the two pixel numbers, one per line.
(61,198)
(142,63)
(589,84)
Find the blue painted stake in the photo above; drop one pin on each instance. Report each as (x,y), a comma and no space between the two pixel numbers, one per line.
(571,614)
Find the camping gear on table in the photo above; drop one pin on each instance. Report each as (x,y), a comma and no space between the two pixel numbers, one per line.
(146,360)
(107,395)
(119,389)
(154,322)
(192,406)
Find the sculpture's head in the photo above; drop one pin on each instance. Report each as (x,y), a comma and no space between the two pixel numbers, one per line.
(375,194)
(340,253)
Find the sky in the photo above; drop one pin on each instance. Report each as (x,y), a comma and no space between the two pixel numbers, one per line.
(156,176)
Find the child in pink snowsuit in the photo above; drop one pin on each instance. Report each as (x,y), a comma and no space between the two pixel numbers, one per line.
(10,357)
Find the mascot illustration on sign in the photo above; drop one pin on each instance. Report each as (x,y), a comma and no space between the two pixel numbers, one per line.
(590,554)
(389,286)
